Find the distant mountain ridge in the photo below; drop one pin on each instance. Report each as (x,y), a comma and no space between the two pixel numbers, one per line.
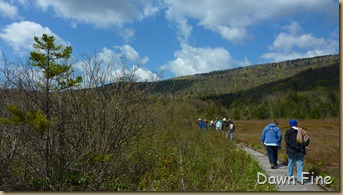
(324,78)
(242,78)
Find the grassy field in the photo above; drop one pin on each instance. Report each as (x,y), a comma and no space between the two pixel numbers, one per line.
(323,153)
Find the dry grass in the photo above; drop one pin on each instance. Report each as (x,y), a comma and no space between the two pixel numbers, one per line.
(323,153)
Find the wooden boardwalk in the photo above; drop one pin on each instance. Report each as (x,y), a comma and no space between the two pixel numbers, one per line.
(280,171)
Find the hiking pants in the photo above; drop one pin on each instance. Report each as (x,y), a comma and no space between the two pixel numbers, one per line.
(229,134)
(299,159)
(272,154)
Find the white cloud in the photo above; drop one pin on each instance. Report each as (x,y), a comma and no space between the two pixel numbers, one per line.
(142,74)
(109,63)
(131,54)
(293,44)
(190,60)
(245,62)
(19,35)
(8,10)
(286,42)
(184,30)
(149,10)
(231,19)
(133,57)
(235,35)
(101,13)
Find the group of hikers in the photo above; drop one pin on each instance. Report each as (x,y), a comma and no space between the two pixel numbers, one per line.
(225,126)
(295,137)
(296,141)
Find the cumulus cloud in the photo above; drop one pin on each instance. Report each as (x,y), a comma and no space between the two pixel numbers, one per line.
(102,13)
(136,61)
(294,44)
(149,10)
(142,74)
(232,19)
(131,54)
(8,10)
(19,35)
(109,63)
(191,60)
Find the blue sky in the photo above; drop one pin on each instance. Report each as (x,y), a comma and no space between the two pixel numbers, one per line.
(170,38)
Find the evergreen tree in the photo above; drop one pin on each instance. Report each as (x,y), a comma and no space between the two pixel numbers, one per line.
(52,61)
(53,74)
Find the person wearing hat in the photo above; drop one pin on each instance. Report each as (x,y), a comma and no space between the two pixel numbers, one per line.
(212,124)
(225,125)
(199,121)
(271,138)
(205,124)
(296,141)
(201,124)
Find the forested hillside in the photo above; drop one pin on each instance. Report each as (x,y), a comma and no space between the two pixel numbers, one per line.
(303,88)
(242,78)
(313,93)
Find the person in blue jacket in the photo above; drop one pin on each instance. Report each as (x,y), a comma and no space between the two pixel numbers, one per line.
(201,124)
(272,138)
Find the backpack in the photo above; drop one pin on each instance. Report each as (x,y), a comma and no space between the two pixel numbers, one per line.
(225,125)
(219,125)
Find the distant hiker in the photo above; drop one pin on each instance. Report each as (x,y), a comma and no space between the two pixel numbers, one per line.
(212,124)
(201,124)
(296,141)
(271,138)
(219,125)
(231,129)
(205,124)
(225,126)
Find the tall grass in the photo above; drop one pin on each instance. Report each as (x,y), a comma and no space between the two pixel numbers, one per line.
(200,162)
(176,156)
